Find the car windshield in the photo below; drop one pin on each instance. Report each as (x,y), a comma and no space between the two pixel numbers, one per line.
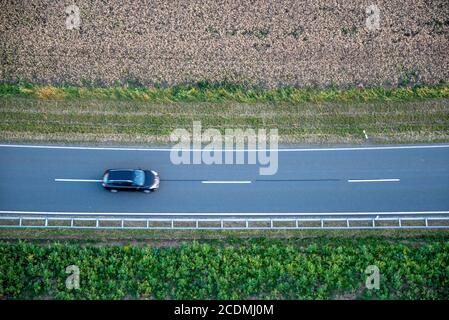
(139,177)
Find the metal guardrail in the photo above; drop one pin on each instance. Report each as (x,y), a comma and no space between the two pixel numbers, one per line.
(437,222)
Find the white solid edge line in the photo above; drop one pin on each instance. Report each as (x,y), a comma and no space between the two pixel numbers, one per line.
(76,180)
(224,182)
(374,180)
(229,150)
(225,214)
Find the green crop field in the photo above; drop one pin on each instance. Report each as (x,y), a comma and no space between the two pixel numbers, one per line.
(318,268)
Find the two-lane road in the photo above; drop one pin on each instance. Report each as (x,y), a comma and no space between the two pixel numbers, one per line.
(322,180)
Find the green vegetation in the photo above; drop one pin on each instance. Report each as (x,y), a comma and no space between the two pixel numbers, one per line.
(135,115)
(326,268)
(349,31)
(223,92)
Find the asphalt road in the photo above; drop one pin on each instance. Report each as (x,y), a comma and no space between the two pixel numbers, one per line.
(313,181)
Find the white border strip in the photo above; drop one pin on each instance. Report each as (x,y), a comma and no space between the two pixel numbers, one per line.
(234,150)
(374,180)
(224,182)
(226,214)
(76,180)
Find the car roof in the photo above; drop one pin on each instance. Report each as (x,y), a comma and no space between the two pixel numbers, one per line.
(121,175)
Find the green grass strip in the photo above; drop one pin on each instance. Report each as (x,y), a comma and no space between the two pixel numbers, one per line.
(221,92)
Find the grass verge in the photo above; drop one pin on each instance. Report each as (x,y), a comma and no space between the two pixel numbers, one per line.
(154,237)
(100,121)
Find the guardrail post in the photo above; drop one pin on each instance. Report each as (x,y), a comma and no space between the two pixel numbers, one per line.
(427,223)
(172,224)
(46,222)
(297,224)
(148,224)
(97,223)
(271,223)
(347,223)
(123,223)
(400,223)
(196,223)
(246,223)
(20,222)
(374,223)
(221,224)
(322,223)
(71,223)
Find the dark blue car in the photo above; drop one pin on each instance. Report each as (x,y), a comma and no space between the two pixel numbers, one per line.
(131,180)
